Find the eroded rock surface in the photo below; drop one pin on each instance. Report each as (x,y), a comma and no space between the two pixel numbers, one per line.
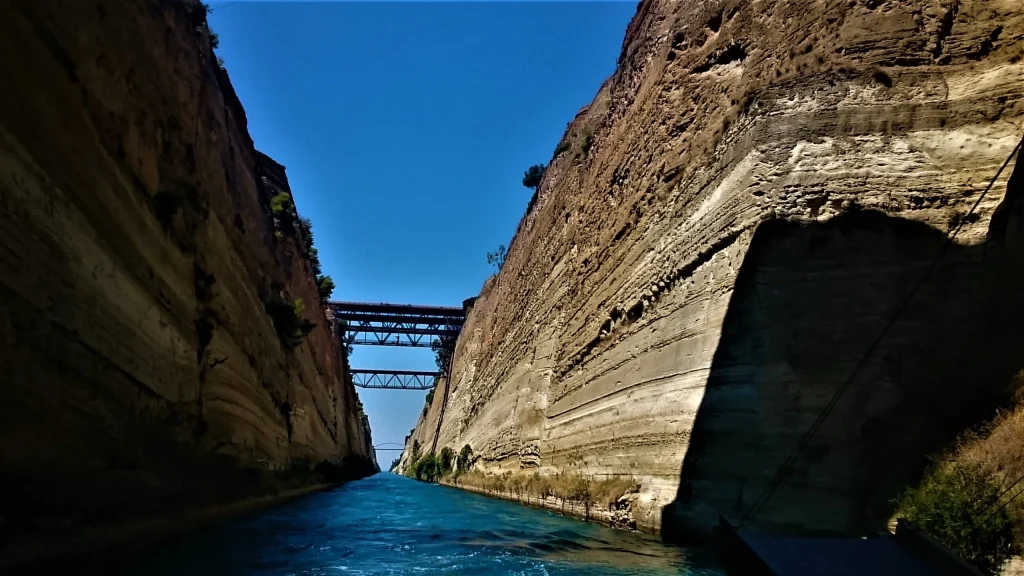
(140,372)
(722,237)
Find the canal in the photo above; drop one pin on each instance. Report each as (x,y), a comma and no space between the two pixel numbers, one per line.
(388,524)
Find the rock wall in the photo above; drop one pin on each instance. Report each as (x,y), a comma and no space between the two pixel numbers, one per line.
(721,239)
(140,371)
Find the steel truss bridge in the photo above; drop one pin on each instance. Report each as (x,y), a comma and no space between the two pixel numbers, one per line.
(394,379)
(363,323)
(395,324)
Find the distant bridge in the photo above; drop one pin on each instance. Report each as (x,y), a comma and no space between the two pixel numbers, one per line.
(394,379)
(381,447)
(363,323)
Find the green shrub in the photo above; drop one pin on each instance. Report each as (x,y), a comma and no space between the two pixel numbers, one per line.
(956,504)
(292,328)
(427,468)
(443,348)
(413,458)
(281,203)
(465,459)
(306,228)
(563,146)
(325,286)
(497,258)
(586,142)
(314,260)
(283,209)
(446,460)
(428,401)
(534,175)
(199,12)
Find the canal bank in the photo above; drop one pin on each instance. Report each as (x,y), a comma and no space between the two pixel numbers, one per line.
(619,515)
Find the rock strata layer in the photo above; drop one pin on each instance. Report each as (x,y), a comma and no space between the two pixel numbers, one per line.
(141,372)
(754,213)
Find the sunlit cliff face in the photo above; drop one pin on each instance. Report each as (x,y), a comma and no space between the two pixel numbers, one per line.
(720,237)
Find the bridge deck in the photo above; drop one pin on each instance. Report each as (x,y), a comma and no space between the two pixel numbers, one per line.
(399,309)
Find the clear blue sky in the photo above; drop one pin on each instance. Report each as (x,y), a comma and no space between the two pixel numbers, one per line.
(405,129)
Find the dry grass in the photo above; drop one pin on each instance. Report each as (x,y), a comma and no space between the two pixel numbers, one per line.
(1000,448)
(998,451)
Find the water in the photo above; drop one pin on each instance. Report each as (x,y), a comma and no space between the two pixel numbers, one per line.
(387,524)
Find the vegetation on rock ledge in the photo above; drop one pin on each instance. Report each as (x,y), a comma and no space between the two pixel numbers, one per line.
(292,328)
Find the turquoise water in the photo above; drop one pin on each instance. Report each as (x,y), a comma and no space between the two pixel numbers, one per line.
(387,524)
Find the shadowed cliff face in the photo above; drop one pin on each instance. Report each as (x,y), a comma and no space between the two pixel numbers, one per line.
(808,303)
(722,232)
(141,373)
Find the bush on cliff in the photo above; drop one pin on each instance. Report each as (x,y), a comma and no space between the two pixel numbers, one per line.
(959,504)
(497,258)
(290,325)
(446,460)
(325,286)
(426,468)
(562,147)
(465,459)
(586,141)
(534,176)
(305,227)
(444,347)
(283,209)
(428,401)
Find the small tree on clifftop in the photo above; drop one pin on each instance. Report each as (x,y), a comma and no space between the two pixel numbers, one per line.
(497,258)
(532,179)
(533,176)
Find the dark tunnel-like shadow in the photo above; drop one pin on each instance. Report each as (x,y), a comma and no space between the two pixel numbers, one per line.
(808,302)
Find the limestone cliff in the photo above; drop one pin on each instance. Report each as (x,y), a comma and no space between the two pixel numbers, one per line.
(141,371)
(721,238)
